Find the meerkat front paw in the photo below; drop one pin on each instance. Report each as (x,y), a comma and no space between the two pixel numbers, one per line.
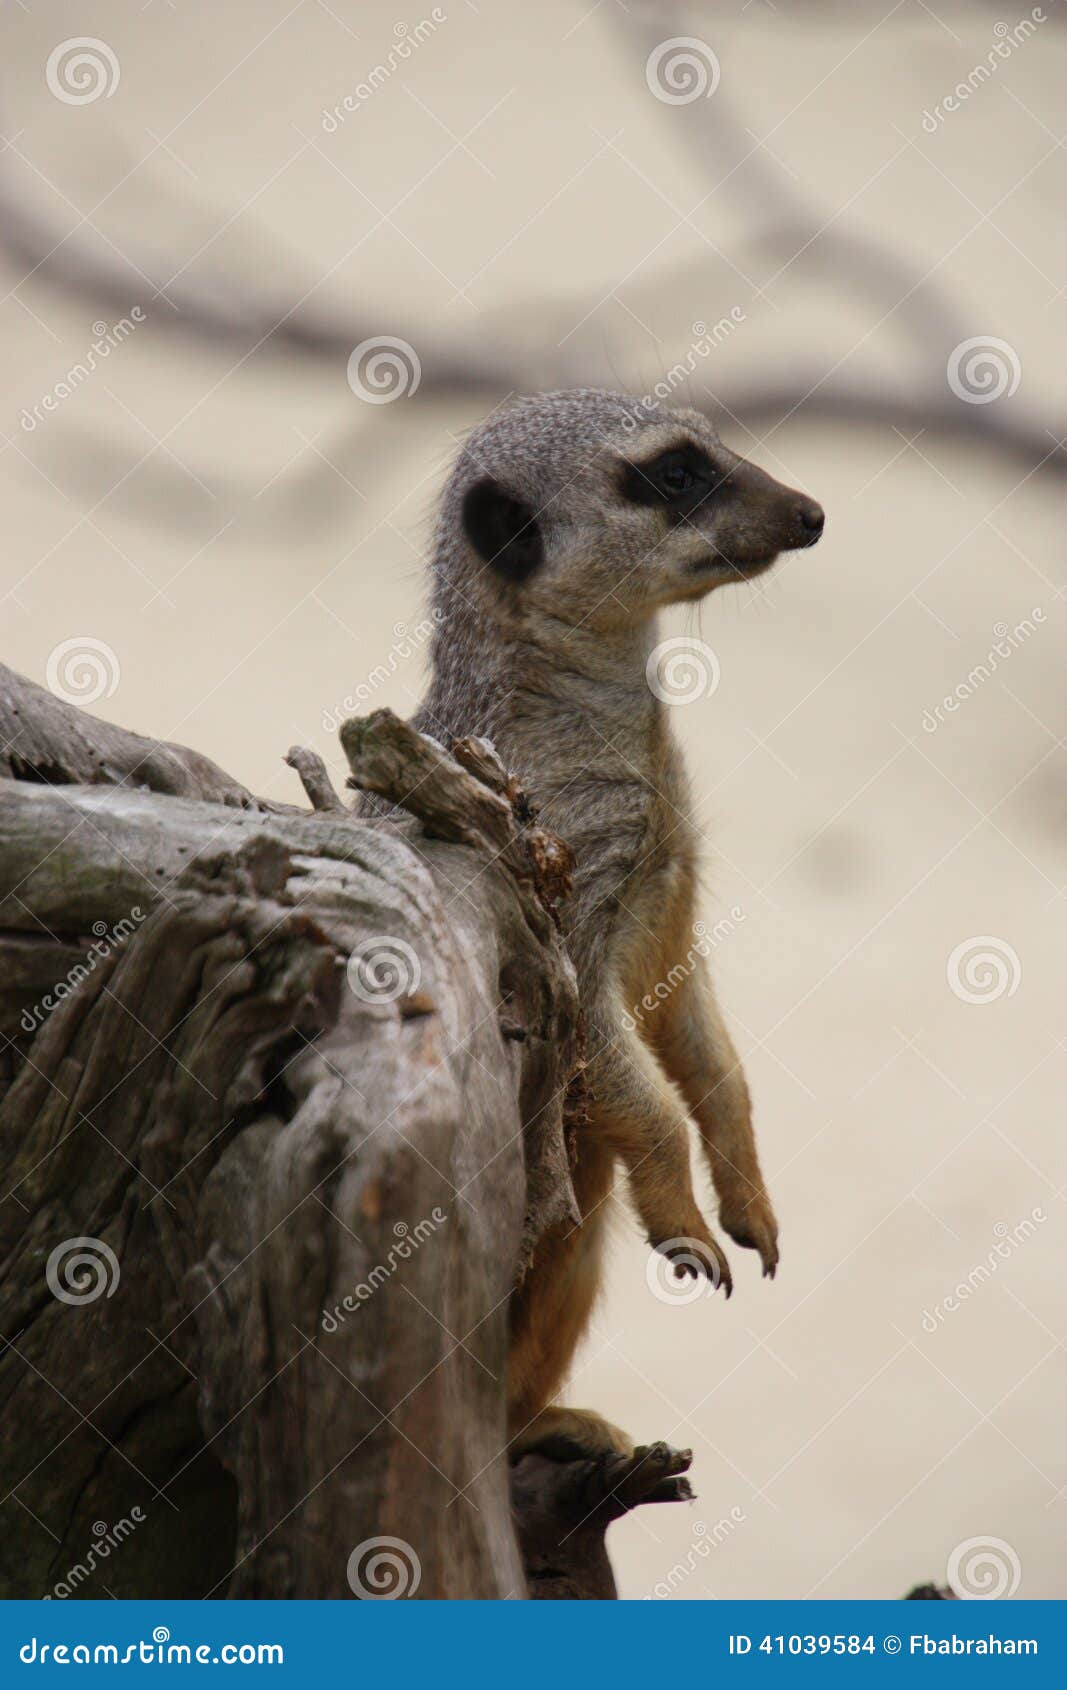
(750,1222)
(570,1434)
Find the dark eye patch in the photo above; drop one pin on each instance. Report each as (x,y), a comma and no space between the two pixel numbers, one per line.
(680,478)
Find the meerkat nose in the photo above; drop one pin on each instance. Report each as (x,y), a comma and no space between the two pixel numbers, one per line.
(811,518)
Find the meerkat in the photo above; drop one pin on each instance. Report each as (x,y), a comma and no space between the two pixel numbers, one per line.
(568,522)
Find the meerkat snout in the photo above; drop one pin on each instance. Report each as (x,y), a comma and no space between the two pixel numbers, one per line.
(758,517)
(595,507)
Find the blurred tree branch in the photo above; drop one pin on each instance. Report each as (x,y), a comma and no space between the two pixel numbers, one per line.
(242,319)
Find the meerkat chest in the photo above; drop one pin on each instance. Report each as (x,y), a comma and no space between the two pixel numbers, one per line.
(636,849)
(654,924)
(612,783)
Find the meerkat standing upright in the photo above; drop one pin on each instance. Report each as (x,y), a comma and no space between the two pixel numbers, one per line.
(569,520)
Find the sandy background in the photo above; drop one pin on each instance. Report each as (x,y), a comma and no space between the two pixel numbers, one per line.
(246,536)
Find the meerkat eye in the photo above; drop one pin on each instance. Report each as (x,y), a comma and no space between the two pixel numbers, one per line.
(682,478)
(677,478)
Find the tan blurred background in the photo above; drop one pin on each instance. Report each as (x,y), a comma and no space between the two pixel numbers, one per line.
(244,535)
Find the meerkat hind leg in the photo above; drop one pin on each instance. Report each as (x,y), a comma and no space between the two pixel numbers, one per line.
(550,1312)
(568,1434)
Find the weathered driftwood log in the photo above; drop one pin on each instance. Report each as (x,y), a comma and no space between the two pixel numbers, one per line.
(283,1104)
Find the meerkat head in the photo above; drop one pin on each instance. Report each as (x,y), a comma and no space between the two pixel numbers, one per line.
(596,508)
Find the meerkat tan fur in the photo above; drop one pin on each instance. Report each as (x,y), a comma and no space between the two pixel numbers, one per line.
(569,521)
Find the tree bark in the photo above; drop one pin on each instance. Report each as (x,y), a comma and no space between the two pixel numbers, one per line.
(283,1113)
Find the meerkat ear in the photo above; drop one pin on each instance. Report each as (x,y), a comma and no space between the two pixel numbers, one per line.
(503,530)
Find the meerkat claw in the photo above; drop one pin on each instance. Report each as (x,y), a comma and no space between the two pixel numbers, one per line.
(754,1228)
(695,1258)
(656,1474)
